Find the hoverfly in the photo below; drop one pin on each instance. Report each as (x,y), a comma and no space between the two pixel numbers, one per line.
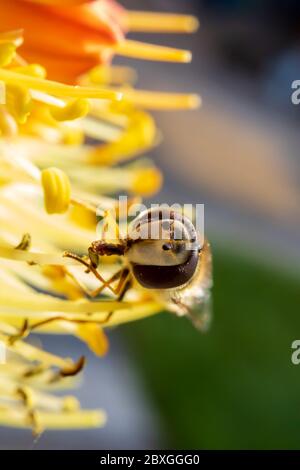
(161,253)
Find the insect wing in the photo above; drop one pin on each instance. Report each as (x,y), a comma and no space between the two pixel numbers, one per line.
(199,302)
(200,313)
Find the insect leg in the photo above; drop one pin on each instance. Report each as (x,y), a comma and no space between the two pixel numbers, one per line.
(118,275)
(98,290)
(24,331)
(88,265)
(24,243)
(124,285)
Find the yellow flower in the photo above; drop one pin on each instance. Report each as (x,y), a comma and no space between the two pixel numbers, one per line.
(53,180)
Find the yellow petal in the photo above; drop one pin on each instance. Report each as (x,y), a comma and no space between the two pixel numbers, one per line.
(147,181)
(139,136)
(33,70)
(8,125)
(57,190)
(18,101)
(94,336)
(75,109)
(146,51)
(7,53)
(146,21)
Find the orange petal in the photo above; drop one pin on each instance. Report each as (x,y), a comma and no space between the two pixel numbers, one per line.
(57,2)
(63,68)
(50,33)
(98,16)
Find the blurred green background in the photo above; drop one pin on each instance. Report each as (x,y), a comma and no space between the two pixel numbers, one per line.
(234,387)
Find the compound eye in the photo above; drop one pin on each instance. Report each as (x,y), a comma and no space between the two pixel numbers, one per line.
(158,265)
(163,251)
(168,276)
